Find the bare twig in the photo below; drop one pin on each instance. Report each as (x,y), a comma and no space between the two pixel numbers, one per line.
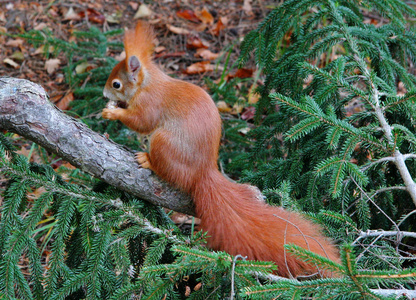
(382,233)
(233,273)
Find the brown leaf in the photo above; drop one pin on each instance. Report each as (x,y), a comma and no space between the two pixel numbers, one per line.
(241,73)
(221,24)
(177,30)
(160,49)
(63,102)
(41,50)
(14,43)
(93,16)
(187,291)
(71,15)
(36,193)
(206,54)
(121,56)
(11,63)
(51,65)
(249,113)
(143,12)
(23,151)
(247,8)
(194,42)
(18,55)
(133,5)
(205,16)
(172,54)
(223,107)
(238,108)
(199,67)
(188,14)
(253,97)
(180,218)
(40,26)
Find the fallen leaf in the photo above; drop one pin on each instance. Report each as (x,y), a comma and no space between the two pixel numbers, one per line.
(114,18)
(253,97)
(401,89)
(14,43)
(40,26)
(205,16)
(93,16)
(133,5)
(143,12)
(68,166)
(63,102)
(23,151)
(244,130)
(51,65)
(172,54)
(206,54)
(249,113)
(53,11)
(18,55)
(238,108)
(221,25)
(121,56)
(247,8)
(30,153)
(177,30)
(11,63)
(199,67)
(37,193)
(223,107)
(180,218)
(82,67)
(160,49)
(41,50)
(187,291)
(71,15)
(241,73)
(194,42)
(188,14)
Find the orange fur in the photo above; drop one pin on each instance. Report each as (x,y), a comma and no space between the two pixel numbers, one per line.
(185,129)
(140,45)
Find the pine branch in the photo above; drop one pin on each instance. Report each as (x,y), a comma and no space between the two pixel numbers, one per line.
(375,101)
(26,110)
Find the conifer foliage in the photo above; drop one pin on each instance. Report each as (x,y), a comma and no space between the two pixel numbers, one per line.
(341,95)
(336,132)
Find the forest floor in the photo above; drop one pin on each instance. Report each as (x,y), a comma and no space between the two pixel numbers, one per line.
(191,35)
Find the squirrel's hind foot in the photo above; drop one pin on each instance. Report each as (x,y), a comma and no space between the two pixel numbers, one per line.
(143,159)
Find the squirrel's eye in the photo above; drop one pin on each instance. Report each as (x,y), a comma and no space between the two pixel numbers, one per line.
(116,84)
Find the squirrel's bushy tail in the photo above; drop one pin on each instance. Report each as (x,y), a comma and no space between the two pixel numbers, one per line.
(239,223)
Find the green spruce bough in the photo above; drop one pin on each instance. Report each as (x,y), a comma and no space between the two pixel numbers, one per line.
(337,135)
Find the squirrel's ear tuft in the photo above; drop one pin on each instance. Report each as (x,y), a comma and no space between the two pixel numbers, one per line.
(133,66)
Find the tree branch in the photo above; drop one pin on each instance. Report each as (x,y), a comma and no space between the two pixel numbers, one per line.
(26,110)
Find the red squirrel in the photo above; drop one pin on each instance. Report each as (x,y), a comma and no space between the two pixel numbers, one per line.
(185,129)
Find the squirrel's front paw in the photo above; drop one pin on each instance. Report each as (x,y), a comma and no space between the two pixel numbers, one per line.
(110,113)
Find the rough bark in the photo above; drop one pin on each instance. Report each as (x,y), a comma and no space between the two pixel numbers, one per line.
(26,110)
